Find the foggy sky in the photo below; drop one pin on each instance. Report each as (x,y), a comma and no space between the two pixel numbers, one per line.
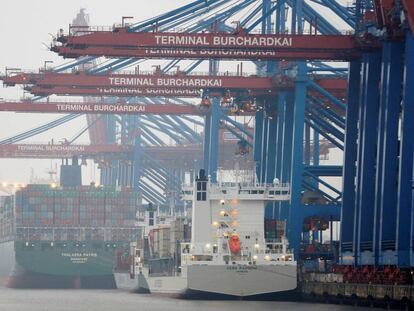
(24,26)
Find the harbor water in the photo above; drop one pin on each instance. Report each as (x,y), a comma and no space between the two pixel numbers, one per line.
(111,300)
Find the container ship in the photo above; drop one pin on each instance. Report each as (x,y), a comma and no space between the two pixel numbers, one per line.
(228,254)
(67,237)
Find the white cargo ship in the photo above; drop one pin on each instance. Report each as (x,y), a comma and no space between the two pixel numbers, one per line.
(228,254)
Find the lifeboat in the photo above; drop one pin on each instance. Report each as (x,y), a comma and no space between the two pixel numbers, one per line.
(234,244)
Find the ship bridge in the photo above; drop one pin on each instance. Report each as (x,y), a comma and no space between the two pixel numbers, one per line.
(242,191)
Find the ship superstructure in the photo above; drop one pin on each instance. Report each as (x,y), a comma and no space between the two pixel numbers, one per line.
(161,234)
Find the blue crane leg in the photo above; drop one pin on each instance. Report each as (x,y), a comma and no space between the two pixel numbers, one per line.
(257,150)
(296,216)
(405,177)
(214,138)
(389,161)
(366,161)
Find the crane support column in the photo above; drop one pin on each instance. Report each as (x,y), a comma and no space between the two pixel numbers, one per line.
(136,175)
(281,105)
(288,137)
(206,141)
(316,148)
(366,158)
(263,152)
(287,148)
(350,156)
(296,212)
(211,139)
(271,149)
(385,76)
(257,150)
(271,159)
(405,177)
(307,144)
(389,161)
(214,143)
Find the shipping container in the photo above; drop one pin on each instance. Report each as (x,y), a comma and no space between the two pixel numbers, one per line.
(6,218)
(176,235)
(76,213)
(274,229)
(160,242)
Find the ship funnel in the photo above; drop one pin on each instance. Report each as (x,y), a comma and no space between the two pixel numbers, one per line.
(202,175)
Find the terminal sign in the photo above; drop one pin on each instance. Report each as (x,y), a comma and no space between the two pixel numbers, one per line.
(224,41)
(189,82)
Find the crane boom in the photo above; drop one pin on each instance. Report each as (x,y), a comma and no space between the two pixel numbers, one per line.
(94,108)
(122,43)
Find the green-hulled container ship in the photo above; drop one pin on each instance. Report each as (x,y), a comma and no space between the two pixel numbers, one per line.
(72,237)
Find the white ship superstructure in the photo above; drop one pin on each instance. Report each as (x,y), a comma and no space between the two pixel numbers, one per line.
(228,253)
(147,220)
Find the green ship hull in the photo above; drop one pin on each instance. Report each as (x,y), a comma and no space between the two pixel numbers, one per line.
(67,258)
(65,264)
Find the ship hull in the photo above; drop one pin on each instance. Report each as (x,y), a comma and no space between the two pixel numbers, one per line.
(125,282)
(7,261)
(65,264)
(225,280)
(27,279)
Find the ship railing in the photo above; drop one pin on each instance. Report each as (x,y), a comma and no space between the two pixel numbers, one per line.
(83,30)
(311,31)
(252,191)
(243,185)
(271,251)
(278,246)
(277,251)
(7,239)
(198,251)
(190,74)
(267,190)
(252,186)
(77,233)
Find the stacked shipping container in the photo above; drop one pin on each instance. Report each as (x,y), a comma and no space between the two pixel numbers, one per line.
(6,218)
(274,229)
(161,242)
(79,213)
(176,235)
(165,240)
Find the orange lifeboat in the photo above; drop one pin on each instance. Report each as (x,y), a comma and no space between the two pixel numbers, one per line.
(234,244)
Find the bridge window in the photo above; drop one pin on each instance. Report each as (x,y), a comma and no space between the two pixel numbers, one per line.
(201,190)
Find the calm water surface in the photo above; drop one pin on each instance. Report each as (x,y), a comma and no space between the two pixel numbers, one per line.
(91,300)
